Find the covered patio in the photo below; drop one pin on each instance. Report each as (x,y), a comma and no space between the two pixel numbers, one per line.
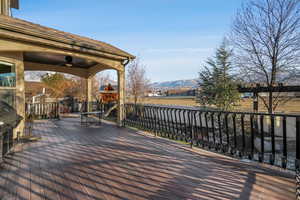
(74,162)
(25,46)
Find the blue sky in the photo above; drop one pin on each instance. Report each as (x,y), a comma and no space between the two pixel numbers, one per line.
(173,38)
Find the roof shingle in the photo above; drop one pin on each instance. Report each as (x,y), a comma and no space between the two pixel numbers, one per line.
(35,30)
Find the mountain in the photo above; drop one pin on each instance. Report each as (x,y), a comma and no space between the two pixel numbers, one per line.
(189,83)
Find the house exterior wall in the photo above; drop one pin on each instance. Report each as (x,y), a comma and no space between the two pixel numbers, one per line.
(17,59)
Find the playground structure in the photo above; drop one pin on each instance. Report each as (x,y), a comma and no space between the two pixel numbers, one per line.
(109,95)
(109,98)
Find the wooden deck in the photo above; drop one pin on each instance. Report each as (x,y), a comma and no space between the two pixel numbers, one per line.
(73,162)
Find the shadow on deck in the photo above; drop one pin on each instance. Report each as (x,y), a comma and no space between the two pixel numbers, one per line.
(107,162)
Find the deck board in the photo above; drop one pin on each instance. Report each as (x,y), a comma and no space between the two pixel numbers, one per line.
(111,163)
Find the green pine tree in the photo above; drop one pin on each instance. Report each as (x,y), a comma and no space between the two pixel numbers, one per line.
(217,86)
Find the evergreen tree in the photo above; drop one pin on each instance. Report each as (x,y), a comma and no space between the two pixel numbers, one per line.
(217,86)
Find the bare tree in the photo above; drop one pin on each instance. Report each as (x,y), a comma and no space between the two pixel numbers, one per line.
(137,82)
(266,38)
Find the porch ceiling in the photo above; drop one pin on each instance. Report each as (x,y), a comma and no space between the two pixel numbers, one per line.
(57,59)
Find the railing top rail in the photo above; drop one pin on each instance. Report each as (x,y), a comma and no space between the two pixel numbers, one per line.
(218,111)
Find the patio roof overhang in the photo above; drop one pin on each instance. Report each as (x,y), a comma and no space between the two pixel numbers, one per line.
(46,49)
(33,47)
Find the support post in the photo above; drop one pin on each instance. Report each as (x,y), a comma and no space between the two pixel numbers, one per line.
(5,7)
(121,91)
(89,93)
(20,91)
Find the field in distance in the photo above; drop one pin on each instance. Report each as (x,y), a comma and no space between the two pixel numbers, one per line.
(293,106)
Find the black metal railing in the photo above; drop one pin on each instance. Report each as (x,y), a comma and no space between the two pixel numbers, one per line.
(267,138)
(43,110)
(6,140)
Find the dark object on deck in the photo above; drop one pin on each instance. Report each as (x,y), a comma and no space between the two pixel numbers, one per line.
(9,119)
(8,115)
(87,118)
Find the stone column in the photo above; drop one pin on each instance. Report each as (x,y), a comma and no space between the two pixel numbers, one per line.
(121,101)
(89,93)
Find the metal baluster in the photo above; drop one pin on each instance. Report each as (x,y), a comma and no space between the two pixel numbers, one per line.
(207,129)
(272,158)
(227,132)
(190,127)
(243,135)
(168,123)
(234,134)
(220,131)
(151,123)
(262,140)
(201,128)
(252,137)
(185,125)
(284,157)
(180,123)
(196,128)
(172,123)
(213,129)
(165,130)
(176,124)
(160,121)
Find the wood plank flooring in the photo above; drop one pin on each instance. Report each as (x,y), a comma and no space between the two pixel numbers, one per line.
(112,163)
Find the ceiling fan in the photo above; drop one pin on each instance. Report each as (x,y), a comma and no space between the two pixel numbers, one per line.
(68,61)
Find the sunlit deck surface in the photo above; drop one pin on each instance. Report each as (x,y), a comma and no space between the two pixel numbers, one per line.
(107,162)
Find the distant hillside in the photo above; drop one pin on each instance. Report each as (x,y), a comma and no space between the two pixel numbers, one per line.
(190,83)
